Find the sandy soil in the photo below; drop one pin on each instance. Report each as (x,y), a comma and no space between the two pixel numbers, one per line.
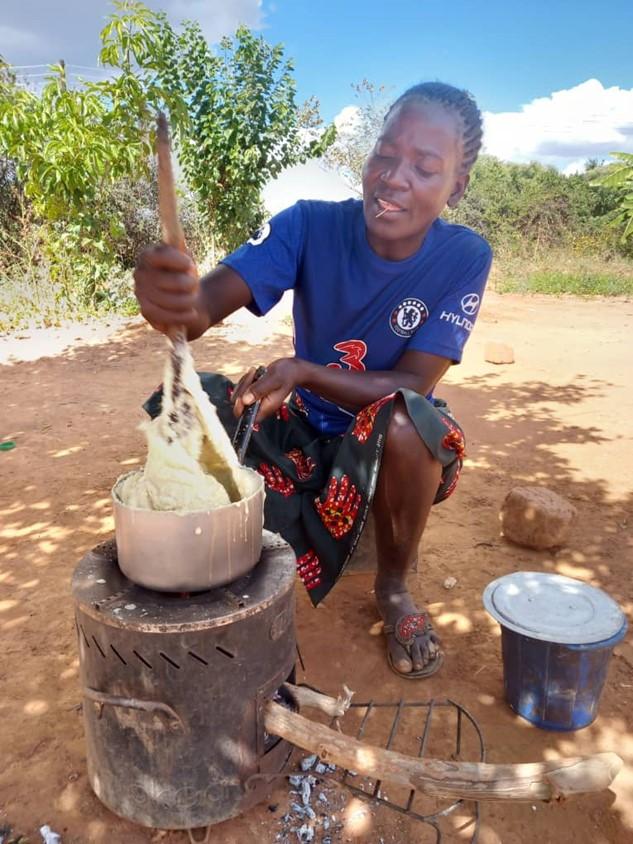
(561,416)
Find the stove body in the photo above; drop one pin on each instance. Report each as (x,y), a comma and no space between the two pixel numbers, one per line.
(174,688)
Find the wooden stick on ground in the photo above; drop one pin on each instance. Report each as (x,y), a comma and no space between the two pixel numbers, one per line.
(468,780)
(310,698)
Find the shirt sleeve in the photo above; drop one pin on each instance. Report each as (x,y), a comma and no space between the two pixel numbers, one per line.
(452,319)
(269,261)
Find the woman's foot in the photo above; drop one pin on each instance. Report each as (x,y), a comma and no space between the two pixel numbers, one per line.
(412,645)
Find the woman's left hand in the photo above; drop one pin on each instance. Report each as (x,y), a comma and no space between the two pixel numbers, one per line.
(273,387)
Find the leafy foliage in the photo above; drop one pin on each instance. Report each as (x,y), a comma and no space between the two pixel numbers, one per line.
(620,175)
(70,146)
(244,125)
(79,159)
(529,207)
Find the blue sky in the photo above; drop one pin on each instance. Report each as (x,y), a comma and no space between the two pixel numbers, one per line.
(555,79)
(506,53)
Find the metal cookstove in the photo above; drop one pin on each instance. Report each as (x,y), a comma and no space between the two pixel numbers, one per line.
(174,688)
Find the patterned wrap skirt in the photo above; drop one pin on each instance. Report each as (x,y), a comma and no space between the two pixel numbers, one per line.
(319,489)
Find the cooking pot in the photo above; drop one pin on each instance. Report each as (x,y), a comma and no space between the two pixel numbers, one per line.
(190,552)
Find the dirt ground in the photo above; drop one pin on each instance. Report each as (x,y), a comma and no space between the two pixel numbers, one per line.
(561,416)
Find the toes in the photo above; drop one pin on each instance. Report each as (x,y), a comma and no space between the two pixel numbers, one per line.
(399,658)
(430,650)
(418,655)
(403,666)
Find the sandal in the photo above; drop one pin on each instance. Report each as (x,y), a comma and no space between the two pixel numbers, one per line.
(405,630)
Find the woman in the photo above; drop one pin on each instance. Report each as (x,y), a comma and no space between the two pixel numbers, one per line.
(385,296)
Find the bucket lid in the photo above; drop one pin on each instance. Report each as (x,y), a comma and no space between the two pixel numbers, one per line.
(553,608)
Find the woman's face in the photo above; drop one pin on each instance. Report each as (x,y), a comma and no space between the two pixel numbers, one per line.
(410,176)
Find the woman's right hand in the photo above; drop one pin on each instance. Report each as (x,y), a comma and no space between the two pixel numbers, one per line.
(168,291)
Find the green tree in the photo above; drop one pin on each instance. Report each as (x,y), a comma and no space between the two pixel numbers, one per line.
(70,146)
(77,150)
(244,125)
(526,207)
(620,176)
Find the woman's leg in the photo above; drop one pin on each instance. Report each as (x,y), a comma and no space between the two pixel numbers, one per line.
(407,484)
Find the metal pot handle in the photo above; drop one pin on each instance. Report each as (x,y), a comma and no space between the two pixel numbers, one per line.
(102,699)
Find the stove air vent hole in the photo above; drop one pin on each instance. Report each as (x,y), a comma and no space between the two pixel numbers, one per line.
(86,642)
(198,658)
(99,648)
(224,652)
(142,659)
(167,659)
(114,650)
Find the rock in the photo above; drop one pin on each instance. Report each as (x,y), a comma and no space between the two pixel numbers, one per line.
(308,761)
(498,353)
(50,836)
(450,583)
(536,517)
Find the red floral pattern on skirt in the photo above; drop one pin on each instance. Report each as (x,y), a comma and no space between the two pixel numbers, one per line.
(304,465)
(339,510)
(366,418)
(275,479)
(309,569)
(454,440)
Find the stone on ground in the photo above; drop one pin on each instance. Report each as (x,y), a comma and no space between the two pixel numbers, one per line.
(498,353)
(536,517)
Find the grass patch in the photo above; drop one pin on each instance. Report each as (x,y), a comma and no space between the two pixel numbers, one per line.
(556,283)
(564,273)
(31,299)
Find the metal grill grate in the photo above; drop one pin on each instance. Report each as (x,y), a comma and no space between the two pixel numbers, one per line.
(410,806)
(464,731)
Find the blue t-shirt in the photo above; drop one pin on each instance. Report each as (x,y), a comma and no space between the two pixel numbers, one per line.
(353,309)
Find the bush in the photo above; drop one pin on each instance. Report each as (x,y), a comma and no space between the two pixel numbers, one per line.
(520,208)
(135,204)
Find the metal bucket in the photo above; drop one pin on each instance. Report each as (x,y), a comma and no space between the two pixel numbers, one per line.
(190,552)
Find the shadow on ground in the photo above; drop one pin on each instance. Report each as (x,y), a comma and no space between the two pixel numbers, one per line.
(74,418)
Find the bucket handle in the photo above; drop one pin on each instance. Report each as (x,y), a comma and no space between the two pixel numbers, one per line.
(102,699)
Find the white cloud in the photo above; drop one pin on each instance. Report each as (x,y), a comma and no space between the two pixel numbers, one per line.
(348,120)
(565,128)
(12,38)
(44,31)
(217,17)
(576,166)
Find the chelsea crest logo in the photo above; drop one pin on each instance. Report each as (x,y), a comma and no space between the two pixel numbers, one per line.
(408,316)
(260,235)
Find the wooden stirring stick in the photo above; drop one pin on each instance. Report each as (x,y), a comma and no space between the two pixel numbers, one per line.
(173,234)
(180,419)
(167,205)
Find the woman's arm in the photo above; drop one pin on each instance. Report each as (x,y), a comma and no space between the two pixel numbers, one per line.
(170,293)
(350,389)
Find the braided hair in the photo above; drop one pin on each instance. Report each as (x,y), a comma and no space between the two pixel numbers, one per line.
(459,102)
